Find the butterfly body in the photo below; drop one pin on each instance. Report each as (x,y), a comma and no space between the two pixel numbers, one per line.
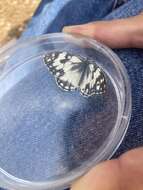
(75,73)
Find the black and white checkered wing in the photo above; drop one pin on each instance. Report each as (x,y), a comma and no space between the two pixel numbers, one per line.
(74,73)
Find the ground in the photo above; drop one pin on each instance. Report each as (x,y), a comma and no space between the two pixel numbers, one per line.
(14,14)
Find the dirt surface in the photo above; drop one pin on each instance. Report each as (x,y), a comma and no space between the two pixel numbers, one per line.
(14,14)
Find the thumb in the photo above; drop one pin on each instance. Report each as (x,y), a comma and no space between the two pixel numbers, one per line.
(123,173)
(121,33)
(103,176)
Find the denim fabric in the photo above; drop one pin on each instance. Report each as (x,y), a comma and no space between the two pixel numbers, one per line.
(51,16)
(55,14)
(132,59)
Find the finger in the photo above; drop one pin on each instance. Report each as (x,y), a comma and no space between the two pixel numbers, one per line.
(105,176)
(125,173)
(122,33)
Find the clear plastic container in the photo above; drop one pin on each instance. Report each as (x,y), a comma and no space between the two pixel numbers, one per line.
(49,137)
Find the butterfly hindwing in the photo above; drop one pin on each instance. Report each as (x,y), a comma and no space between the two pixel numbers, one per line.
(65,85)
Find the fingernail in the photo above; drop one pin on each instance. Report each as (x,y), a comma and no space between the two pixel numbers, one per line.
(67,29)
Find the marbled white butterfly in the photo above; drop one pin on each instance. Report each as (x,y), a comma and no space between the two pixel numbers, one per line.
(72,72)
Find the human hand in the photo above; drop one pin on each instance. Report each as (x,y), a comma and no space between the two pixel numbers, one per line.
(124,173)
(121,33)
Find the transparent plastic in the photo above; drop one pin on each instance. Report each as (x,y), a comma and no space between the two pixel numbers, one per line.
(50,137)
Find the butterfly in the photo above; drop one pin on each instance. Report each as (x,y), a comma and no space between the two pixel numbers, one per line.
(73,72)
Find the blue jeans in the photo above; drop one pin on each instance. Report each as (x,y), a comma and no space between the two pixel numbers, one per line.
(52,16)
